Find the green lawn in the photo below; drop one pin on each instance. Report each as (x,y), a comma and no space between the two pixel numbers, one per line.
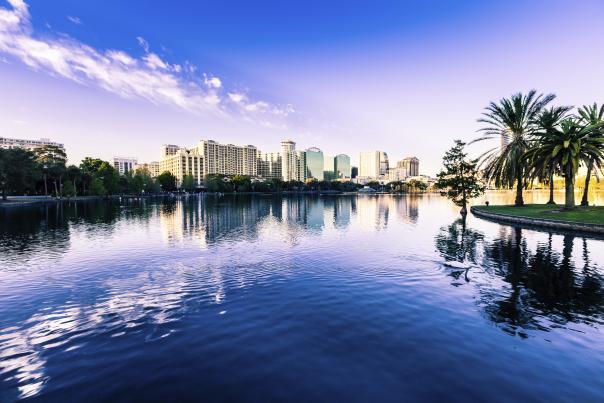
(588,215)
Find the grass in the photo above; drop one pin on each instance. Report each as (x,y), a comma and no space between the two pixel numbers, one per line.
(583,215)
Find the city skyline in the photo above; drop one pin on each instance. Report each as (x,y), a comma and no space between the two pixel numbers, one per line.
(345,81)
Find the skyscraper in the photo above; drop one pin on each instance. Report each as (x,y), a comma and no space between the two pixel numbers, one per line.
(342,166)
(372,164)
(329,170)
(314,163)
(293,163)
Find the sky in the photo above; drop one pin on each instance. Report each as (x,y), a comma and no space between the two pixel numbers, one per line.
(113,78)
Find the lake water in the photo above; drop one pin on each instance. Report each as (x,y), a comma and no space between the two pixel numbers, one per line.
(298,298)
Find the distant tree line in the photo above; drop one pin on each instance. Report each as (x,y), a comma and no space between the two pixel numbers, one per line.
(44,171)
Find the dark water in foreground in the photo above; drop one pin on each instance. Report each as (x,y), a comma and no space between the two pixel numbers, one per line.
(299,299)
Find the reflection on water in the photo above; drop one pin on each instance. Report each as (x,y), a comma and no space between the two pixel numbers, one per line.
(271,290)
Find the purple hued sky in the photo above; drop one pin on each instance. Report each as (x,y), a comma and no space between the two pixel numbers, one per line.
(405,77)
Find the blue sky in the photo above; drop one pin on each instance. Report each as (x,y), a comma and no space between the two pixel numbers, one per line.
(121,78)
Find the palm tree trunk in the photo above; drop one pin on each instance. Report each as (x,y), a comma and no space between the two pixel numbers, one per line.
(551,188)
(569,182)
(519,202)
(590,167)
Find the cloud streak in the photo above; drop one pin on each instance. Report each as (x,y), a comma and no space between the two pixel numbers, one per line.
(149,77)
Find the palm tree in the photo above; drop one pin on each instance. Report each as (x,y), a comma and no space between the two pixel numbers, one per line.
(566,148)
(512,120)
(590,115)
(542,168)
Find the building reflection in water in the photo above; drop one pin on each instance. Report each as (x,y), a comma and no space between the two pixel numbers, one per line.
(212,219)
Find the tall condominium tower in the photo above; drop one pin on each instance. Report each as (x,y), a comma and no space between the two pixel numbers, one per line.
(372,164)
(293,163)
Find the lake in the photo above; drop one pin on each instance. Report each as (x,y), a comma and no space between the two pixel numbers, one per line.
(295,298)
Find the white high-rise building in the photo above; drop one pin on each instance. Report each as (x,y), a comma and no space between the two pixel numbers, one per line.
(209,157)
(6,142)
(124,164)
(409,166)
(293,163)
(373,164)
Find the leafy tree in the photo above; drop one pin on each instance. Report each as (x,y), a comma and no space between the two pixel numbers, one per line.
(568,147)
(18,171)
(110,177)
(590,115)
(167,181)
(74,174)
(459,179)
(547,122)
(512,121)
(89,168)
(189,183)
(97,188)
(52,159)
(69,189)
(241,183)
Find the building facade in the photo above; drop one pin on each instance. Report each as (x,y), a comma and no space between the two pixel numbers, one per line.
(409,166)
(209,157)
(124,164)
(151,167)
(342,167)
(293,163)
(6,142)
(329,170)
(373,164)
(269,165)
(314,164)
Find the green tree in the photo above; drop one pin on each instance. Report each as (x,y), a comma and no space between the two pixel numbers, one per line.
(97,188)
(512,121)
(89,168)
(566,148)
(167,181)
(53,161)
(69,189)
(459,179)
(188,183)
(590,115)
(18,171)
(74,174)
(110,177)
(547,122)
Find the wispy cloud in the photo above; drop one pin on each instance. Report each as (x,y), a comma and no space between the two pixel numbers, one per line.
(75,20)
(148,77)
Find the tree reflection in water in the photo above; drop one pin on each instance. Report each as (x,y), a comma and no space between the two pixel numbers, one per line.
(522,289)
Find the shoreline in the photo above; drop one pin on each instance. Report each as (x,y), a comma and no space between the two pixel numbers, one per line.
(540,223)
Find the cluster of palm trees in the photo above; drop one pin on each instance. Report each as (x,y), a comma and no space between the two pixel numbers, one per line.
(539,141)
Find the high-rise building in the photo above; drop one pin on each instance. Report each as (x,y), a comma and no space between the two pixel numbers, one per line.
(372,164)
(329,170)
(409,166)
(6,142)
(342,166)
(269,165)
(314,163)
(354,172)
(293,163)
(124,164)
(209,157)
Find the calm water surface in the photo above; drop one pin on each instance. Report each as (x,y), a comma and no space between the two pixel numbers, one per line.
(268,298)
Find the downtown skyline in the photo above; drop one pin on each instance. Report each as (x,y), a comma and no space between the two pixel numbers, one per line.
(406,78)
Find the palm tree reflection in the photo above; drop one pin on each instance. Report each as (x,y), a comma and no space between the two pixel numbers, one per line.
(522,288)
